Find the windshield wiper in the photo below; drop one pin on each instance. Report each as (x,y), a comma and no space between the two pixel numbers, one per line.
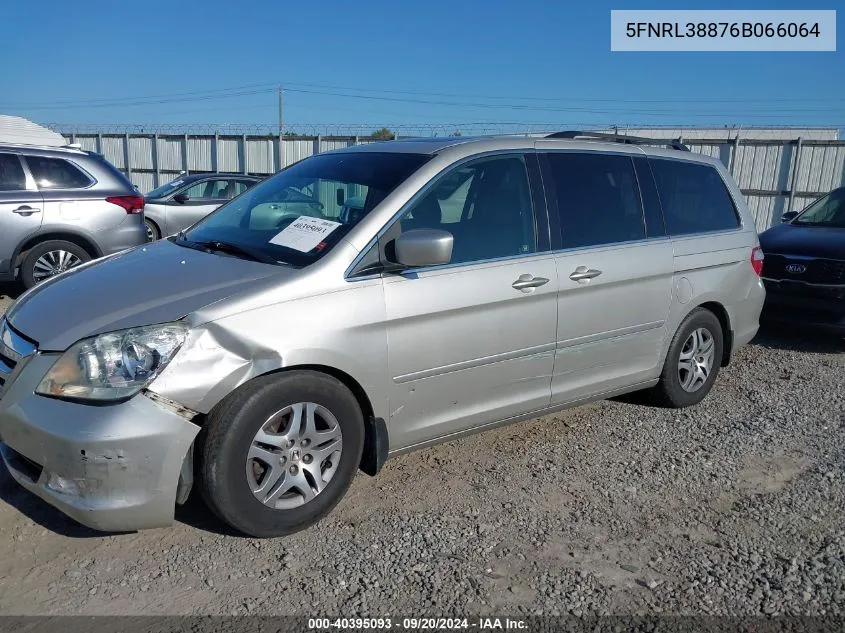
(234,249)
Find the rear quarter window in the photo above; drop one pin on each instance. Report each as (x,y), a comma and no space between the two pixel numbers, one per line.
(57,173)
(694,197)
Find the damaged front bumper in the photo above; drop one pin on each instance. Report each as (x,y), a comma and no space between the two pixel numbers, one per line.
(112,467)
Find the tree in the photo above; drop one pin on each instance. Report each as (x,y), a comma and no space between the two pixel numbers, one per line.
(290,135)
(383,134)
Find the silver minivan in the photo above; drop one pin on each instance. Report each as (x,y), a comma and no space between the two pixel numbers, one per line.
(367,302)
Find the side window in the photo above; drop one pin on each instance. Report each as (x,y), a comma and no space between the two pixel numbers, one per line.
(201,190)
(55,173)
(242,185)
(694,197)
(597,198)
(485,204)
(223,189)
(12,177)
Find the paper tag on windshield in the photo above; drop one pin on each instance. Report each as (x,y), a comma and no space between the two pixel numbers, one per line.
(304,233)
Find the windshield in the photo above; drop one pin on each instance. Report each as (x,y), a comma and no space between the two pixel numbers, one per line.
(165,190)
(299,214)
(826,211)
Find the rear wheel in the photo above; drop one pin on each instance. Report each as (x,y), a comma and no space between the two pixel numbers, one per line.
(48,259)
(152,230)
(280,452)
(693,361)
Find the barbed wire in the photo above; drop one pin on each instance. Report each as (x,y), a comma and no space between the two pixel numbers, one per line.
(321,129)
(311,130)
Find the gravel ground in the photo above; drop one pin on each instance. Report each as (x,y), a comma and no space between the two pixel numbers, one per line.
(733,507)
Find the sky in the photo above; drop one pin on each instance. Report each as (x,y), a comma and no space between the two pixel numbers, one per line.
(447,64)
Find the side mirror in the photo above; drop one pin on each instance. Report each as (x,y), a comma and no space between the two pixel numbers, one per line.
(181,198)
(789,216)
(424,247)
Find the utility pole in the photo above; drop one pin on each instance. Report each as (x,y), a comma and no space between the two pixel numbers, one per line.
(281,120)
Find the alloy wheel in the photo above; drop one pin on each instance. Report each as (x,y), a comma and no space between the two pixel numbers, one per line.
(294,455)
(696,359)
(52,263)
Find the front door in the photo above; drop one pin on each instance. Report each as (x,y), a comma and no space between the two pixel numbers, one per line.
(21,208)
(615,270)
(471,343)
(202,198)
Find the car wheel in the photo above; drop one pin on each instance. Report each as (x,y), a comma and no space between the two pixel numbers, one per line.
(278,453)
(693,361)
(48,259)
(152,230)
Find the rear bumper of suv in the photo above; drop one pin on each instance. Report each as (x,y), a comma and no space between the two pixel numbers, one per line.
(110,467)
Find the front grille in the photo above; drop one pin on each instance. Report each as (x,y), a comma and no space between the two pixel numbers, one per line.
(815,271)
(14,348)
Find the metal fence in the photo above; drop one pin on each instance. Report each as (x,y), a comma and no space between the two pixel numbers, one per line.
(776,176)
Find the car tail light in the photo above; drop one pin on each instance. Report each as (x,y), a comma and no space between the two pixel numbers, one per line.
(757,261)
(132,204)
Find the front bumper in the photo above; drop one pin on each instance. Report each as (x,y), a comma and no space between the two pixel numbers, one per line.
(111,467)
(821,308)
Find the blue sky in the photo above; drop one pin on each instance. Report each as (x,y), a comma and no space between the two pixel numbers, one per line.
(436,62)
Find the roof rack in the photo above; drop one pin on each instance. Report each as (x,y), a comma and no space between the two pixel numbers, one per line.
(620,138)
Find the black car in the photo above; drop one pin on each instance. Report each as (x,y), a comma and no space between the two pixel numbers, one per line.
(804,267)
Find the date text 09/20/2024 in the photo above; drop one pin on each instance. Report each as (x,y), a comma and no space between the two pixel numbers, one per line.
(421,624)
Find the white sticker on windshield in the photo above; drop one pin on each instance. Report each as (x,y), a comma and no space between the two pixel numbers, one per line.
(304,233)
(175,183)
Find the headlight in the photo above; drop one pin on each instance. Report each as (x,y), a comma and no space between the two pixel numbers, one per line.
(113,366)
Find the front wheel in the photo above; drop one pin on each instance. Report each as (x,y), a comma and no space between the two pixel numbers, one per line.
(48,259)
(279,452)
(693,361)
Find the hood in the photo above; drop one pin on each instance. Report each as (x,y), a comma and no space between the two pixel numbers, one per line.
(155,283)
(810,241)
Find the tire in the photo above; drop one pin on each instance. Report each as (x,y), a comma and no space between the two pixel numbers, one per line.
(152,230)
(56,254)
(670,391)
(253,497)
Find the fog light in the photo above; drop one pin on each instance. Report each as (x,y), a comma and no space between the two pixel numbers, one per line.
(62,485)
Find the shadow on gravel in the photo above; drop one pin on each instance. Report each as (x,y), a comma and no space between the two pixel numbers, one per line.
(9,291)
(40,511)
(196,514)
(799,340)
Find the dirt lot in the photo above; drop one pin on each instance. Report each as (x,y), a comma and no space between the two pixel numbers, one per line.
(736,506)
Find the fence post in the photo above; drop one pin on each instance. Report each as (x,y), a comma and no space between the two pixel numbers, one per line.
(185,161)
(796,165)
(155,161)
(215,161)
(126,155)
(318,141)
(99,143)
(734,150)
(280,153)
(243,154)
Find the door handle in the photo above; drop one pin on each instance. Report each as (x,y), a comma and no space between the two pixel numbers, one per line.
(526,283)
(26,210)
(582,273)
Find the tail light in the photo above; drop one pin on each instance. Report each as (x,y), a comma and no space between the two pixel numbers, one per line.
(132,204)
(757,260)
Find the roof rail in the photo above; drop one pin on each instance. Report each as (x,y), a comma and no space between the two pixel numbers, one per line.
(620,138)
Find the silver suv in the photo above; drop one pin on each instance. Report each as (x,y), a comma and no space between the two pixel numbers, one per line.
(368,302)
(59,208)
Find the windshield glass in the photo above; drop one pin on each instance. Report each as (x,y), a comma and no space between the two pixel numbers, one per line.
(165,190)
(826,211)
(299,214)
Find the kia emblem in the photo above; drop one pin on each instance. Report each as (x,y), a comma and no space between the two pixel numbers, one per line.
(796,269)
